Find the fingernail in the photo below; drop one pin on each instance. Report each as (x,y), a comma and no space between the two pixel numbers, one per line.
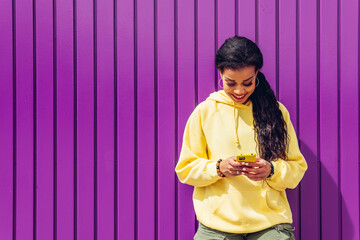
(243,163)
(242,173)
(246,164)
(244,169)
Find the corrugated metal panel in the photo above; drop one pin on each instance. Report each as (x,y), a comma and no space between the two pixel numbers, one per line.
(95,96)
(7,112)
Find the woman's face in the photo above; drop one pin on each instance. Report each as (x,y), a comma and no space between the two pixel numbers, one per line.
(239,84)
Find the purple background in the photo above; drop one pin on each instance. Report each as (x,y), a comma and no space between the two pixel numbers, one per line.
(95,94)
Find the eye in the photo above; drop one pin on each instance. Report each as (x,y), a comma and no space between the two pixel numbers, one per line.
(230,84)
(249,84)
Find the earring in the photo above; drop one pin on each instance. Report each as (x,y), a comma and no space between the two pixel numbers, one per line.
(257,83)
(220,83)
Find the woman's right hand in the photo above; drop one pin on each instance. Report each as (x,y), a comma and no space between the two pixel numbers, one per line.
(230,167)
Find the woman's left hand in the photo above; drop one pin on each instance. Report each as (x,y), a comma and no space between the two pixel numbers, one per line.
(258,170)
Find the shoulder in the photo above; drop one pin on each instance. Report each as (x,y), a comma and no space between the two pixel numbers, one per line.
(203,111)
(205,107)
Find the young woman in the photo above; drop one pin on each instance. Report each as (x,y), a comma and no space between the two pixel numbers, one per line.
(238,200)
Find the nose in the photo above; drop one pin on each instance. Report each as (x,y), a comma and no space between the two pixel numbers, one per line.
(239,90)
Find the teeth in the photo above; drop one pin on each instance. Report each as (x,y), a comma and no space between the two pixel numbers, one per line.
(239,96)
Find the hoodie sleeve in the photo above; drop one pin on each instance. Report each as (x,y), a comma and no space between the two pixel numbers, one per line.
(289,172)
(194,167)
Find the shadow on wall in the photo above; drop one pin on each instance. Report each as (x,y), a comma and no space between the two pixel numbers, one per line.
(327,211)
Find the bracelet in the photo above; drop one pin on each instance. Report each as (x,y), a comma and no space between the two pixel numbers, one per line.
(272,169)
(218,168)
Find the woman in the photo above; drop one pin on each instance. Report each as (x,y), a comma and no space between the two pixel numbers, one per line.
(238,200)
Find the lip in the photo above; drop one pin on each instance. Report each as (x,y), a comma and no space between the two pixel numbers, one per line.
(237,98)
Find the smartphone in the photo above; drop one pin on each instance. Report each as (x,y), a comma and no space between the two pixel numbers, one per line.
(246,157)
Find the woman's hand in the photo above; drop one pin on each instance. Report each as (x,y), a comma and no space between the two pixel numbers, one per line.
(230,167)
(258,170)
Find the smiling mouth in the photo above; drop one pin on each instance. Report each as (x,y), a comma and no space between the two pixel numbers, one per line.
(241,97)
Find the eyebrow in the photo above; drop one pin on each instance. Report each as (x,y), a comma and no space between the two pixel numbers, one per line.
(243,80)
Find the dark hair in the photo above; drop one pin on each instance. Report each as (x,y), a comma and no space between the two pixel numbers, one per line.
(270,128)
(238,52)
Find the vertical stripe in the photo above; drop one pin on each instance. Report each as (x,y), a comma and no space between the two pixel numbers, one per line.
(156,117)
(14,138)
(186,99)
(176,120)
(236,17)
(217,75)
(105,118)
(277,47)
(136,155)
(205,50)
(25,118)
(34,120)
(145,121)
(298,233)
(44,120)
(85,119)
(267,39)
(126,101)
(348,118)
(116,179)
(96,230)
(196,88)
(339,120)
(308,133)
(75,116)
(165,120)
(65,120)
(226,21)
(247,19)
(196,51)
(6,120)
(287,79)
(257,22)
(54,121)
(318,108)
(328,119)
(359,101)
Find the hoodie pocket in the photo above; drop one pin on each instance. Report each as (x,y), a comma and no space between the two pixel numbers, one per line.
(274,200)
(207,206)
(229,209)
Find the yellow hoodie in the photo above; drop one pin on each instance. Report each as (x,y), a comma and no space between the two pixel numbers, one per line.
(219,128)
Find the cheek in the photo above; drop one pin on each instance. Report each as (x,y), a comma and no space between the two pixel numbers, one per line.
(226,87)
(227,90)
(251,89)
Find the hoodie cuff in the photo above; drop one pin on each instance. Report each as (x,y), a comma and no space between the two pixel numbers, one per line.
(211,170)
(277,173)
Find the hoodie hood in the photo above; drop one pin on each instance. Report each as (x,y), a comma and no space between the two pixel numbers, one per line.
(222,97)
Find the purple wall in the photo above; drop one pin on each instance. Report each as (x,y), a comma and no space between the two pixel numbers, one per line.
(94,97)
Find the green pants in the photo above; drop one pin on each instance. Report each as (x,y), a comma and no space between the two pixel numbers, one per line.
(283,231)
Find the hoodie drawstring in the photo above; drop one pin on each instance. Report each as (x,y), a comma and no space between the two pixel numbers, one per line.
(224,98)
(236,128)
